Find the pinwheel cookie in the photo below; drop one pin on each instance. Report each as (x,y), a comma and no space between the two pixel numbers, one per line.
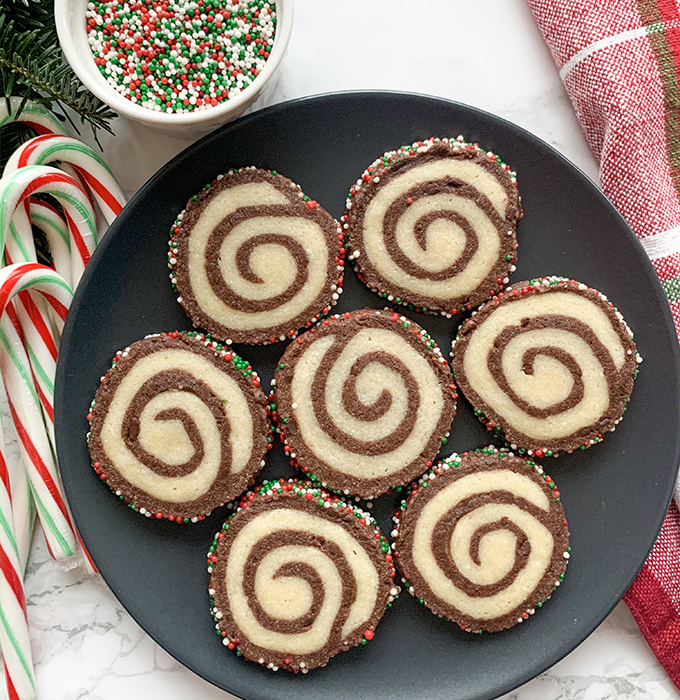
(433,225)
(253,259)
(549,363)
(179,426)
(364,401)
(298,575)
(482,539)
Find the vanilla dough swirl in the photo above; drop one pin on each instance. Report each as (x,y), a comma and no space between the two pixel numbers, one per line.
(485,543)
(434,225)
(176,427)
(294,581)
(364,401)
(253,259)
(549,362)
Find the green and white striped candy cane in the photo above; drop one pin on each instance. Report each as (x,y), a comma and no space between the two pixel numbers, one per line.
(44,216)
(34,114)
(41,473)
(80,217)
(25,405)
(34,318)
(89,167)
(14,636)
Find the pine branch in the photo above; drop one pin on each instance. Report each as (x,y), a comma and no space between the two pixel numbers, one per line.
(52,79)
(32,66)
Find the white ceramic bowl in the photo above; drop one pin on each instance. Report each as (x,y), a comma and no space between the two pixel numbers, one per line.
(71,27)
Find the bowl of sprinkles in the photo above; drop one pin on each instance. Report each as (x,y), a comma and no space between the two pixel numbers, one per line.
(182,65)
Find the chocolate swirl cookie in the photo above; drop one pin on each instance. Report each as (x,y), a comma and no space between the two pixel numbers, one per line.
(482,539)
(179,426)
(433,225)
(253,259)
(364,401)
(298,575)
(549,363)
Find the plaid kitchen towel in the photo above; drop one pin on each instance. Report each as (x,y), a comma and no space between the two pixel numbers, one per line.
(620,63)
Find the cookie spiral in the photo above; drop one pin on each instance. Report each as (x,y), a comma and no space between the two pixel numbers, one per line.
(296,576)
(253,259)
(179,426)
(364,401)
(433,224)
(486,542)
(550,363)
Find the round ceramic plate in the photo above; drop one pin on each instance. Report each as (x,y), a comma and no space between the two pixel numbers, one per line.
(615,494)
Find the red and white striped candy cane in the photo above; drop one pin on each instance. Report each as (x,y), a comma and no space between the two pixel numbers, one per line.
(40,340)
(25,405)
(35,322)
(20,247)
(53,510)
(14,636)
(80,217)
(28,381)
(34,114)
(36,452)
(45,217)
(86,162)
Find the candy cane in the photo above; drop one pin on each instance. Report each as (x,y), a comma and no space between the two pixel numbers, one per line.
(25,404)
(40,344)
(34,321)
(41,279)
(14,636)
(16,513)
(45,217)
(31,322)
(80,217)
(28,382)
(40,341)
(33,318)
(15,189)
(33,114)
(85,161)
(22,506)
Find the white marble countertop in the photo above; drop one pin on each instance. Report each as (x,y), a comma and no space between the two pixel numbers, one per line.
(487,53)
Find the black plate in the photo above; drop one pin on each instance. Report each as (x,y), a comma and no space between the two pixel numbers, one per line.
(615,494)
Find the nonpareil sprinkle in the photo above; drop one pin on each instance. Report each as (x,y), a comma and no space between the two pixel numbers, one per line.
(179,57)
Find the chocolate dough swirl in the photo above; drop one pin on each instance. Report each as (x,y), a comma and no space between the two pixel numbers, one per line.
(253,259)
(243,259)
(550,363)
(433,224)
(176,428)
(180,381)
(485,543)
(354,406)
(294,581)
(363,401)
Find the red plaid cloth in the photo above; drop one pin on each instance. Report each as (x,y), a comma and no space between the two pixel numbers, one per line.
(620,63)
